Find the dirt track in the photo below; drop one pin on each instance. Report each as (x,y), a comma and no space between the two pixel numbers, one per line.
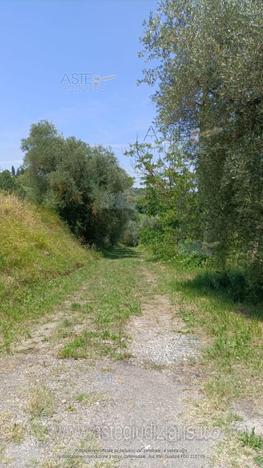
(133,412)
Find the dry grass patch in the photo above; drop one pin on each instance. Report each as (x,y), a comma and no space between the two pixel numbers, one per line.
(41,402)
(39,430)
(10,429)
(232,453)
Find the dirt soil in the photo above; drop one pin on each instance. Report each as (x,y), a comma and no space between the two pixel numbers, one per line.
(105,413)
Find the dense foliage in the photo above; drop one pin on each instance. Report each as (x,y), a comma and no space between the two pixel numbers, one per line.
(209,84)
(168,201)
(83,184)
(8,181)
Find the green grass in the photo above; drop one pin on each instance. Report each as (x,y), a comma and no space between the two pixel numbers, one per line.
(39,429)
(89,399)
(259,461)
(111,298)
(252,440)
(234,353)
(40,262)
(232,358)
(75,306)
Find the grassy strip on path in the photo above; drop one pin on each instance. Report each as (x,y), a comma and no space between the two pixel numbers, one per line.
(111,297)
(109,282)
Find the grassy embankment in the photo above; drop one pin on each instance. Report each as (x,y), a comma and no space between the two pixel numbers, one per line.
(40,262)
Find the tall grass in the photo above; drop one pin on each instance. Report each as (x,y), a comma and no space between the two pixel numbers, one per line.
(38,256)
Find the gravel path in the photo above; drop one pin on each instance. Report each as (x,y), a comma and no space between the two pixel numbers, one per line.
(128,413)
(162,345)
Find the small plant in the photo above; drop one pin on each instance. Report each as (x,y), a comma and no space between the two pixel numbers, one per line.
(75,306)
(17,433)
(252,440)
(39,430)
(41,402)
(76,349)
(71,409)
(88,398)
(67,323)
(88,308)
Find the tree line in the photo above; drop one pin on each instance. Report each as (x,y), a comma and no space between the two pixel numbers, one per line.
(202,196)
(204,186)
(82,183)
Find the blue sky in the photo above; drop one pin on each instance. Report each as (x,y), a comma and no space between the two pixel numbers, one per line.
(44,43)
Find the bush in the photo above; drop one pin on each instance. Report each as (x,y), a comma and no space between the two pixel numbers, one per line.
(236,284)
(130,236)
(7,181)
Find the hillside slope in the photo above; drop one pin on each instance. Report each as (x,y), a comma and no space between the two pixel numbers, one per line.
(39,258)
